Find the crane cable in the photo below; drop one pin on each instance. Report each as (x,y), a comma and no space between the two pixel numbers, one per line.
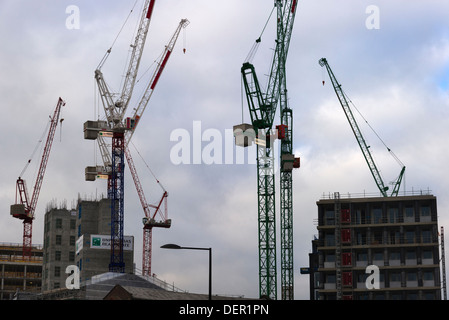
(381,140)
(255,46)
(35,149)
(106,55)
(146,164)
(252,53)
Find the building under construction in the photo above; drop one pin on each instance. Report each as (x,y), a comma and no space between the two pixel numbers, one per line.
(17,273)
(399,235)
(79,237)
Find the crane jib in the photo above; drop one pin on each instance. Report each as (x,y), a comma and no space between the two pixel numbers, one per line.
(150,9)
(294,5)
(164,62)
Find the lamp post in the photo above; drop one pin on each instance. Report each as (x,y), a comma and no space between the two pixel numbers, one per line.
(175,246)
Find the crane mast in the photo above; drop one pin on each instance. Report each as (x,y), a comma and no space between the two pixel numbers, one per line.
(25,207)
(359,136)
(262,109)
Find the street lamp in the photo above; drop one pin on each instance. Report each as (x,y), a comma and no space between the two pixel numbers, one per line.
(175,246)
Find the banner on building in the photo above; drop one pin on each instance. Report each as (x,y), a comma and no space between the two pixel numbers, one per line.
(104,242)
(79,244)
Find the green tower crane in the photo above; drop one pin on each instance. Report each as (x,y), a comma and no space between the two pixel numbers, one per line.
(262,108)
(359,137)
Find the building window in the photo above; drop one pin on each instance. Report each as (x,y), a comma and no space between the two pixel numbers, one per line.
(393,215)
(395,237)
(429,295)
(330,239)
(57,271)
(362,257)
(378,256)
(71,256)
(377,215)
(58,255)
(330,217)
(72,240)
(428,276)
(331,278)
(411,276)
(410,255)
(427,255)
(72,224)
(361,237)
(395,296)
(426,236)
(358,216)
(412,296)
(377,237)
(425,211)
(58,239)
(330,257)
(395,277)
(395,255)
(58,223)
(412,279)
(409,215)
(410,236)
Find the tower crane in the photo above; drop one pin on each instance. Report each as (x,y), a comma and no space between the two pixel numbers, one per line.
(120,129)
(262,108)
(114,126)
(360,139)
(24,208)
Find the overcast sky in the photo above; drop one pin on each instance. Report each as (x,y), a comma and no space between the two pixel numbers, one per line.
(393,63)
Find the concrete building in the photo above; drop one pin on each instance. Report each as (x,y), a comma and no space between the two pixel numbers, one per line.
(79,237)
(59,246)
(397,235)
(16,274)
(93,230)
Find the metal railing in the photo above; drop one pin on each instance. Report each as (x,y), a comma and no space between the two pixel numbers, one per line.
(348,195)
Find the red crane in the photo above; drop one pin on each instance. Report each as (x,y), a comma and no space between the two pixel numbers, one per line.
(149,221)
(25,206)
